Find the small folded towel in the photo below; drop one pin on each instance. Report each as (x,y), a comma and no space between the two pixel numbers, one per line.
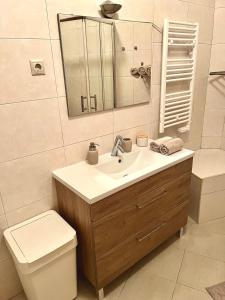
(155,145)
(171,146)
(134,72)
(145,70)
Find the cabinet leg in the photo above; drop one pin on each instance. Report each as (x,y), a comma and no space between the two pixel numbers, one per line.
(181,232)
(100,294)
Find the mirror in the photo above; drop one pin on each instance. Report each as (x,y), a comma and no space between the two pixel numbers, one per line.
(107,63)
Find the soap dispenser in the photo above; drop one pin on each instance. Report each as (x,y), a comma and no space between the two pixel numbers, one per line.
(92,156)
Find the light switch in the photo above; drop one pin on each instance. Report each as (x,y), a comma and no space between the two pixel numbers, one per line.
(37,67)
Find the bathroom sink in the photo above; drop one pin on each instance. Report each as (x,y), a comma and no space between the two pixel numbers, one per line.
(119,167)
(112,174)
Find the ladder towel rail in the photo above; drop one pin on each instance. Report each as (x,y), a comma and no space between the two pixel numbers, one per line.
(176,106)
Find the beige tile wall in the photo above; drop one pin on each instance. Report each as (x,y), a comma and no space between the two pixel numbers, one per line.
(36,135)
(213,129)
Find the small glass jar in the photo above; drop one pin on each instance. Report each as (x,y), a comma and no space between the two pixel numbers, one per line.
(142,140)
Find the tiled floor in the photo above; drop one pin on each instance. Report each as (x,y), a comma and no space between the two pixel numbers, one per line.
(178,270)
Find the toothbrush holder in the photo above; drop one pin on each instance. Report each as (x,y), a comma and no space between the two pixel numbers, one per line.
(127,145)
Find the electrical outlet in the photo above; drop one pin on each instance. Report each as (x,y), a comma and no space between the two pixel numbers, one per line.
(37,67)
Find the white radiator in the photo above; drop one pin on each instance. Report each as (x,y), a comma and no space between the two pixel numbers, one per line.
(180,41)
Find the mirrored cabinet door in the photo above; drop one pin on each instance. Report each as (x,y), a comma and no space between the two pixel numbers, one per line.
(107,63)
(74,65)
(94,65)
(87,50)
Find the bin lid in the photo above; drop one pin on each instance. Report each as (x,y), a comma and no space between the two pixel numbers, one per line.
(39,236)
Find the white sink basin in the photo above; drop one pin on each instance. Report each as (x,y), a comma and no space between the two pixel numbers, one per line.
(93,183)
(129,163)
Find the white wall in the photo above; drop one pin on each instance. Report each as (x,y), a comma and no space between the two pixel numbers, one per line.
(213,131)
(36,135)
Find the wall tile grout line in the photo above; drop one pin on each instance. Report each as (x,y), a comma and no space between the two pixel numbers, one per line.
(30,155)
(29,100)
(193,3)
(67,145)
(56,86)
(3,207)
(27,205)
(24,38)
(213,61)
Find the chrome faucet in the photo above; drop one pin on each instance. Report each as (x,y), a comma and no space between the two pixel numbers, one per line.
(117,147)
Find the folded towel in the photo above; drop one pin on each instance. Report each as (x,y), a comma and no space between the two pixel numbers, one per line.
(171,146)
(145,70)
(134,72)
(155,145)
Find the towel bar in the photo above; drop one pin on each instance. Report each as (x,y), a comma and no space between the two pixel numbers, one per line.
(221,73)
(178,66)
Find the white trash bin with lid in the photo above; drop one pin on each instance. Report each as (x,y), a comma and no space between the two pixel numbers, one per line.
(43,249)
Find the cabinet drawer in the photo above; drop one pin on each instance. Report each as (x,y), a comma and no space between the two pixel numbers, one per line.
(183,167)
(113,204)
(149,185)
(116,262)
(127,197)
(152,205)
(129,252)
(150,238)
(109,233)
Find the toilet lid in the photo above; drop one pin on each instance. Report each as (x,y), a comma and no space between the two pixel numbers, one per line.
(41,235)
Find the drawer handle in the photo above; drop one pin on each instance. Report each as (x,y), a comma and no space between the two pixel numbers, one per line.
(153,200)
(151,233)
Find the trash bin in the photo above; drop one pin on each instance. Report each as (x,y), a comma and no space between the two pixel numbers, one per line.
(44,251)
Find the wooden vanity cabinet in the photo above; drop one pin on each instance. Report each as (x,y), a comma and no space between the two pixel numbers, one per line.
(117,231)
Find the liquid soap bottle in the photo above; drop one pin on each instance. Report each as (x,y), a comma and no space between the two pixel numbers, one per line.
(92,156)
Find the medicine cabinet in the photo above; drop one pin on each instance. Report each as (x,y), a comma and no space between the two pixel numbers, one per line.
(106,63)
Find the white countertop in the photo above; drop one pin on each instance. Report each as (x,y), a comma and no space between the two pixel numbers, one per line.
(209,162)
(92,184)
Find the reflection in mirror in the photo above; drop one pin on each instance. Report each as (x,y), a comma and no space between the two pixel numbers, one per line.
(107,63)
(107,39)
(133,43)
(87,46)
(94,64)
(100,65)
(73,47)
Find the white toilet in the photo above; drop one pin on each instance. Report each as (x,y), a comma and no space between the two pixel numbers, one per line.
(43,249)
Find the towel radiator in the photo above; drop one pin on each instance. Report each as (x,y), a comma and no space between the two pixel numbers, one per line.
(180,42)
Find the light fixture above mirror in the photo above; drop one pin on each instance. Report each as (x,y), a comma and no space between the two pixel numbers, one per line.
(109,9)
